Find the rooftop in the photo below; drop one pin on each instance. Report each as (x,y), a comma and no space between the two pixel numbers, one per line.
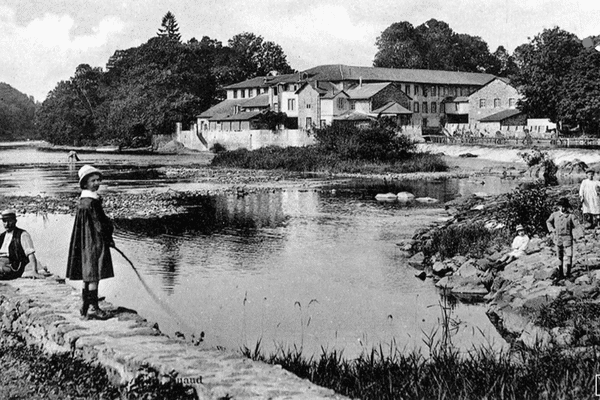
(501,116)
(366,90)
(391,108)
(340,72)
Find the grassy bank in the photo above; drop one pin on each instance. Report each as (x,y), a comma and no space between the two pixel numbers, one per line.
(28,373)
(313,159)
(481,373)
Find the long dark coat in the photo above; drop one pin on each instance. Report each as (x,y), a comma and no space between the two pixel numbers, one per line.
(89,251)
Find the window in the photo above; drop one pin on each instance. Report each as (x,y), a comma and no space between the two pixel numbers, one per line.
(424,107)
(251,93)
(407,89)
(291,104)
(308,122)
(511,102)
(496,103)
(425,91)
(433,91)
(416,107)
(274,90)
(235,94)
(243,93)
(307,105)
(416,92)
(276,107)
(481,103)
(340,102)
(434,107)
(352,105)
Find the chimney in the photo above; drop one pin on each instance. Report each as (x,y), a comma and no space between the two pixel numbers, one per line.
(360,81)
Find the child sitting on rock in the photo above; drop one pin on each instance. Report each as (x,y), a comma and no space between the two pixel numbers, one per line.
(518,248)
(562,223)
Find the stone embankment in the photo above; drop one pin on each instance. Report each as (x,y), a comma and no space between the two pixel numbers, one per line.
(45,313)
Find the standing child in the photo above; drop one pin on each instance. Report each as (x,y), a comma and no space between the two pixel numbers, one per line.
(590,199)
(562,223)
(91,239)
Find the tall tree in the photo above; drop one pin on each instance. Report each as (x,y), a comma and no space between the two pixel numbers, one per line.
(431,45)
(580,100)
(505,64)
(251,56)
(399,47)
(543,63)
(169,28)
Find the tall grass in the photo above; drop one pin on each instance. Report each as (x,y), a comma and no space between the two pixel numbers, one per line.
(467,239)
(481,373)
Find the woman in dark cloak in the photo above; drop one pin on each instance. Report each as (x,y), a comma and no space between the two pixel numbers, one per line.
(91,239)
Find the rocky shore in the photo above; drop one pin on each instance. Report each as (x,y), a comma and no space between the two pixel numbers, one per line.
(525,300)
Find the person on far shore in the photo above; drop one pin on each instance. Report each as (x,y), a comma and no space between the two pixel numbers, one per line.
(518,248)
(562,223)
(91,240)
(16,249)
(590,199)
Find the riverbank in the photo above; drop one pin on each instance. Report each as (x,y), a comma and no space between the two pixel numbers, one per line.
(134,353)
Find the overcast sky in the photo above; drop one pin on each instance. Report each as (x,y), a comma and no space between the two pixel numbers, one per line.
(43,41)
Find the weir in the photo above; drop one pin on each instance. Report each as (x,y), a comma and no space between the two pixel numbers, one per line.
(45,314)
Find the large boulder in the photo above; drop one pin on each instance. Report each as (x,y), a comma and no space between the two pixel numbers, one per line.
(405,197)
(416,260)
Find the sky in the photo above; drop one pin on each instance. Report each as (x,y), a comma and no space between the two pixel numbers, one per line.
(43,41)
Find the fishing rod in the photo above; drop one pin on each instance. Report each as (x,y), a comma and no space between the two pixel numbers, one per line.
(156,299)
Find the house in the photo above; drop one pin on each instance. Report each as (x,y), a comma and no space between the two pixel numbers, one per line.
(503,119)
(496,96)
(418,99)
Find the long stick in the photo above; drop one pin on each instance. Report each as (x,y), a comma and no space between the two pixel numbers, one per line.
(158,301)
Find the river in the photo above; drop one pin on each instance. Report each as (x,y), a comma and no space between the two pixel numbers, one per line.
(311,267)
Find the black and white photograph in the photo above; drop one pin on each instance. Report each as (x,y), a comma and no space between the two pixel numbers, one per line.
(285,199)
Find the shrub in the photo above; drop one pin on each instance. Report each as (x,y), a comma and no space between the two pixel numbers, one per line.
(217,148)
(469,239)
(529,206)
(378,142)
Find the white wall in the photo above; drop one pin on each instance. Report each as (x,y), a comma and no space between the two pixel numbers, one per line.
(248,139)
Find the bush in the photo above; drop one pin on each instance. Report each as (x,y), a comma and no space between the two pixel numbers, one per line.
(217,148)
(471,239)
(378,142)
(529,206)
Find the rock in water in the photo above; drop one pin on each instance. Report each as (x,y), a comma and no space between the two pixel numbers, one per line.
(385,197)
(405,196)
(429,200)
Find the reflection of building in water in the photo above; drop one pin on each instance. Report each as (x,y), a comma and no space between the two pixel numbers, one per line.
(296,202)
(169,259)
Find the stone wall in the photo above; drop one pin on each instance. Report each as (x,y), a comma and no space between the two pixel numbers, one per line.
(46,314)
(247,139)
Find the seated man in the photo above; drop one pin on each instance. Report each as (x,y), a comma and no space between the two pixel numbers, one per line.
(16,249)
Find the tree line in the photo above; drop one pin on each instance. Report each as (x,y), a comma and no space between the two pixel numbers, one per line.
(145,90)
(17,114)
(557,73)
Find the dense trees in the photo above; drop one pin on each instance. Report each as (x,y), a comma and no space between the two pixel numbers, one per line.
(145,90)
(17,112)
(432,45)
(560,79)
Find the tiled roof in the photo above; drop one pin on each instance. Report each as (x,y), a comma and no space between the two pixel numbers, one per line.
(339,72)
(353,115)
(243,116)
(224,107)
(501,116)
(262,100)
(286,78)
(391,108)
(259,81)
(366,90)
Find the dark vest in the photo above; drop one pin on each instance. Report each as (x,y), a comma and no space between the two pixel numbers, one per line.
(16,254)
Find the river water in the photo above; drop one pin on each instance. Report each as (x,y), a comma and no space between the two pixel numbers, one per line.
(306,267)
